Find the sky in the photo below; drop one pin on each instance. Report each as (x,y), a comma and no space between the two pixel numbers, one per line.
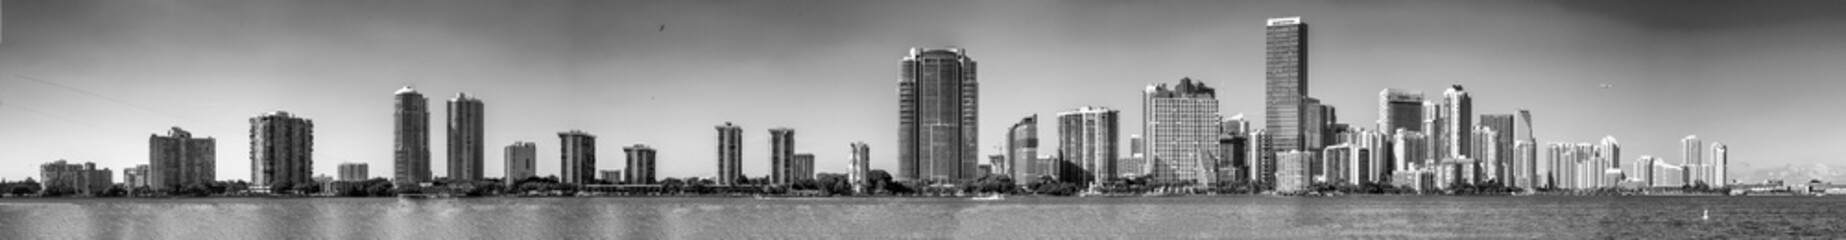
(90,80)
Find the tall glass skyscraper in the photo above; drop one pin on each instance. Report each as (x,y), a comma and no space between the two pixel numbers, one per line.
(1022,149)
(1088,137)
(1458,121)
(410,160)
(1286,83)
(938,115)
(1181,127)
(467,141)
(1400,109)
(1502,125)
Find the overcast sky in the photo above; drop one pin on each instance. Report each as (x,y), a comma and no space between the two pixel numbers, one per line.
(91,80)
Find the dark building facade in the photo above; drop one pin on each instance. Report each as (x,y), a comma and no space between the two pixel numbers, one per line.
(1022,149)
(467,143)
(178,160)
(938,115)
(577,160)
(781,156)
(1286,84)
(281,149)
(730,154)
(410,131)
(641,164)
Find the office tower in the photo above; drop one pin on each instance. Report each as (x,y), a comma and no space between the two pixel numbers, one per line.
(281,149)
(521,161)
(1502,125)
(1285,83)
(410,162)
(1292,173)
(577,161)
(178,160)
(611,176)
(135,177)
(1400,109)
(1022,147)
(802,167)
(1263,164)
(354,171)
(1693,160)
(83,178)
(1235,125)
(1233,158)
(641,164)
(466,138)
(1525,167)
(781,156)
(1720,161)
(859,166)
(1458,113)
(1485,145)
(1181,127)
(1434,130)
(938,115)
(1523,132)
(1087,136)
(1311,128)
(730,154)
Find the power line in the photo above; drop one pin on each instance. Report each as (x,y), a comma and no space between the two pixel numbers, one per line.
(120,101)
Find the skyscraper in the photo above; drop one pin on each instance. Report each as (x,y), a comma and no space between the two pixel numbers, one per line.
(859,166)
(1292,172)
(354,171)
(281,149)
(1088,137)
(577,157)
(1312,132)
(1263,161)
(1720,165)
(1022,149)
(1692,158)
(730,154)
(83,178)
(466,138)
(178,160)
(410,162)
(1458,122)
(1286,83)
(1608,157)
(135,177)
(1525,167)
(938,115)
(1502,125)
(1407,148)
(1181,125)
(1400,109)
(641,164)
(781,156)
(521,161)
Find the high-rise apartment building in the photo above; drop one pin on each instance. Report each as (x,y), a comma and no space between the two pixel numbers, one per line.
(136,177)
(938,115)
(178,160)
(521,161)
(1692,158)
(577,157)
(1292,171)
(1458,123)
(641,164)
(730,154)
(1022,149)
(410,137)
(1720,160)
(859,166)
(466,138)
(1286,83)
(801,167)
(1504,129)
(781,156)
(1088,137)
(1525,167)
(1408,151)
(84,179)
(353,171)
(1181,126)
(281,149)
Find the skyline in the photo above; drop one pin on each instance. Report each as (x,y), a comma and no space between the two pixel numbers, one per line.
(64,103)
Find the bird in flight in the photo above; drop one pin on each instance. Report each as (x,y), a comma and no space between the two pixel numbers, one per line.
(1605,86)
(663,28)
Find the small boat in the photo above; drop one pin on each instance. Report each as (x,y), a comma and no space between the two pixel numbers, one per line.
(994,197)
(1706,216)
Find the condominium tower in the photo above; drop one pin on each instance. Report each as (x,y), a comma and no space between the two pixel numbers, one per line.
(938,115)
(178,160)
(410,134)
(730,154)
(577,157)
(281,149)
(1181,127)
(1087,137)
(466,138)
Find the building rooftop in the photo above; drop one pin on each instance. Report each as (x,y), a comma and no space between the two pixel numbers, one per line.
(406,89)
(1282,21)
